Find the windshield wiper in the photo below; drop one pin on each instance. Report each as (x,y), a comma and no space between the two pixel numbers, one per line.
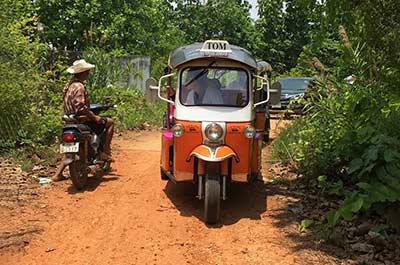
(200,74)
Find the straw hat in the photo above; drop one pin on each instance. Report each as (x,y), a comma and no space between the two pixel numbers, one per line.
(80,66)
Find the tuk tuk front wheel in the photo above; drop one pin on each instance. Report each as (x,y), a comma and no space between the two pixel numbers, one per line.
(163,175)
(212,198)
(266,136)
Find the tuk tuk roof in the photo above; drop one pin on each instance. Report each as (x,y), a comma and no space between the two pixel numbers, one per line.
(194,51)
(263,66)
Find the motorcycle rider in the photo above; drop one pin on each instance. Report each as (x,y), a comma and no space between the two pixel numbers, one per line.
(76,102)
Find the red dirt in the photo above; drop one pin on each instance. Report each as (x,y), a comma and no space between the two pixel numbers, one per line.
(132,217)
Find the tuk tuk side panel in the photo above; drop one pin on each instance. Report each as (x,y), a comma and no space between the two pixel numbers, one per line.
(166,143)
(183,145)
(241,145)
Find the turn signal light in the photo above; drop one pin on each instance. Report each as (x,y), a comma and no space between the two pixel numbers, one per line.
(68,137)
(249,131)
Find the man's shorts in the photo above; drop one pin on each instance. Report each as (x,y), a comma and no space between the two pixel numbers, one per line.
(97,128)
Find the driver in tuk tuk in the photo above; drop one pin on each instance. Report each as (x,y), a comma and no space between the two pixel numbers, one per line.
(202,91)
(239,83)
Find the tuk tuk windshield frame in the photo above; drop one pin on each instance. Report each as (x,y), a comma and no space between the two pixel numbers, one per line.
(214,86)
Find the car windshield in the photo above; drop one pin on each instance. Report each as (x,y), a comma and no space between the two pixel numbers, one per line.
(214,87)
(294,85)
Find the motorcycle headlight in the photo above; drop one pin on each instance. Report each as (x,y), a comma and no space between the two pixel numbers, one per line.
(178,130)
(249,131)
(214,132)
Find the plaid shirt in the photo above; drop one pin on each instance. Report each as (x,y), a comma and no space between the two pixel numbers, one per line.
(75,98)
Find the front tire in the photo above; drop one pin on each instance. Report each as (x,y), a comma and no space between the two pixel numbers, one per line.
(163,175)
(212,198)
(266,137)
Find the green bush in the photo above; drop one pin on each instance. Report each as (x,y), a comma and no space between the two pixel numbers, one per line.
(132,108)
(350,137)
(21,92)
(349,140)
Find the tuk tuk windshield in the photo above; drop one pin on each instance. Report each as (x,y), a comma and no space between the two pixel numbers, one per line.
(214,87)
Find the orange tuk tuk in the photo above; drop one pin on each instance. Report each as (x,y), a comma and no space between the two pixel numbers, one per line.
(215,120)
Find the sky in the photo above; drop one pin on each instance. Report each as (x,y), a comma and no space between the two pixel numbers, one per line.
(253,11)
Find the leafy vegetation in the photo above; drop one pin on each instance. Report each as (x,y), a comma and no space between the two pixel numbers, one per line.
(349,138)
(20,93)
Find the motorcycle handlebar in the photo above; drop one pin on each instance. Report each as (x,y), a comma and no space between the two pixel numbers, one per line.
(96,108)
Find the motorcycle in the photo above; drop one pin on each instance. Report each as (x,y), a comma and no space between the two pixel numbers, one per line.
(83,147)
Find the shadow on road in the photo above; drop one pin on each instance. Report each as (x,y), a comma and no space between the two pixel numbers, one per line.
(93,182)
(299,202)
(244,201)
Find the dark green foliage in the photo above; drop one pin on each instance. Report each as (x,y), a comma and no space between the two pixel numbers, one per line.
(132,109)
(21,94)
(353,143)
(284,28)
(227,19)
(350,138)
(117,27)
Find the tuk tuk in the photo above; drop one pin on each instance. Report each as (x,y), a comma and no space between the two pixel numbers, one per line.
(215,119)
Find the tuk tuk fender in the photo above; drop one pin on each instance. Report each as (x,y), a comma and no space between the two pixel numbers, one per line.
(212,154)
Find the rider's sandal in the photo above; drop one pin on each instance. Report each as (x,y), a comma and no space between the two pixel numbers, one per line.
(107,158)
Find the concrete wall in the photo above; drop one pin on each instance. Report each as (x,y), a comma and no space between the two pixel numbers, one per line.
(139,69)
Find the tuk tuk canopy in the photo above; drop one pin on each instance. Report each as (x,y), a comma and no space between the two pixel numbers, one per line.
(211,49)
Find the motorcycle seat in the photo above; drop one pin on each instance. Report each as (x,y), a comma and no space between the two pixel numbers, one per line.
(80,127)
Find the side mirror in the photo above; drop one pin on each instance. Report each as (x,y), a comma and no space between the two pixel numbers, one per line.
(264,84)
(275,93)
(159,88)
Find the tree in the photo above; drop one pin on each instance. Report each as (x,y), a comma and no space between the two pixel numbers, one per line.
(122,26)
(285,28)
(19,54)
(227,19)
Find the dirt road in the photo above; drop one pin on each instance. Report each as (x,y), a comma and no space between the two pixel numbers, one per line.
(132,217)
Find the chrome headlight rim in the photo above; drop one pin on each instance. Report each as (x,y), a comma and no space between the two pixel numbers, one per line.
(249,131)
(178,130)
(216,134)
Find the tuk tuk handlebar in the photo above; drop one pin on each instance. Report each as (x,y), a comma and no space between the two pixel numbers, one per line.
(159,88)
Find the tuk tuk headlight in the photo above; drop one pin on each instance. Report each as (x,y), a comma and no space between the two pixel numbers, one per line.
(178,130)
(214,132)
(249,131)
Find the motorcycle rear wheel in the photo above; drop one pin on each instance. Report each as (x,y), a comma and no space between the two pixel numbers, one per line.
(78,173)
